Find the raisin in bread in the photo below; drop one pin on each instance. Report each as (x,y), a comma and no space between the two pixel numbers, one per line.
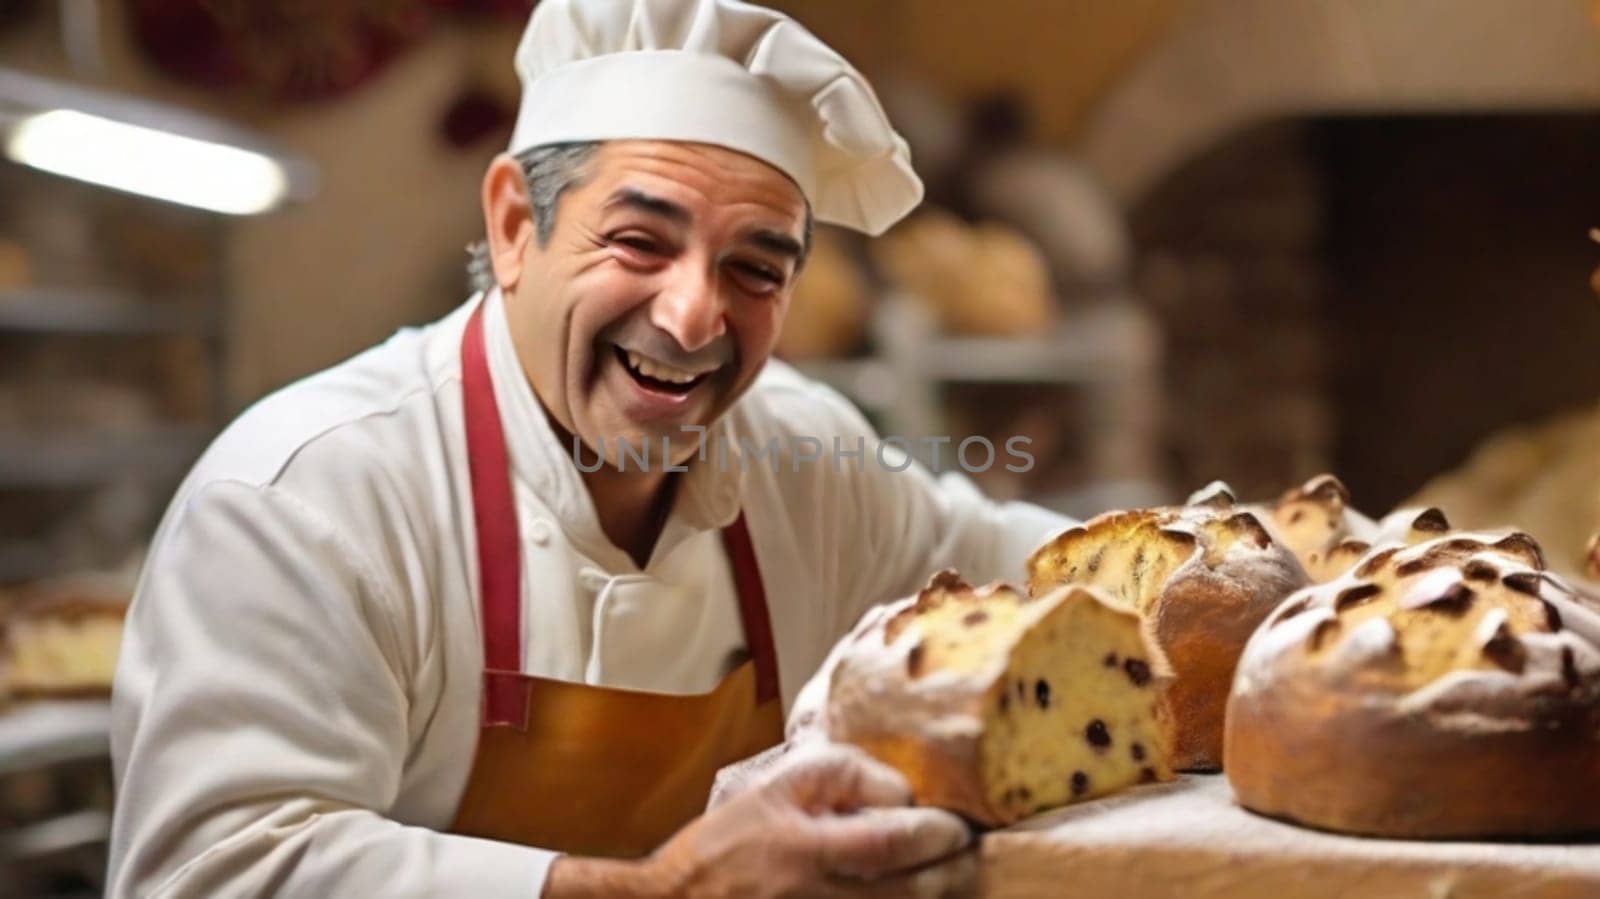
(1447,689)
(1203,576)
(997,705)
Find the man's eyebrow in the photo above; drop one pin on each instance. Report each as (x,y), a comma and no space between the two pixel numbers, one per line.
(776,242)
(633,198)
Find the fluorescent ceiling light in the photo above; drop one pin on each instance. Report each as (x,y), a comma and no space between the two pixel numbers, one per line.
(148,162)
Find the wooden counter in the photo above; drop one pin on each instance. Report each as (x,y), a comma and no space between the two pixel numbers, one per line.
(1189,840)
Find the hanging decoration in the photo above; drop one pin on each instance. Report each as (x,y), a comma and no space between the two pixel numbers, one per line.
(476,114)
(516,10)
(293,50)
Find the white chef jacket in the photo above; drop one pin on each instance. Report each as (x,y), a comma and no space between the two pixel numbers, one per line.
(297,702)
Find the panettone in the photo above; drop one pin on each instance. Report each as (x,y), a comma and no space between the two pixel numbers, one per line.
(1446,689)
(1203,576)
(997,705)
(980,280)
(1315,520)
(61,640)
(828,311)
(1328,535)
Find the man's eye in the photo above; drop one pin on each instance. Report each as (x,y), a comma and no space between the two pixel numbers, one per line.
(637,242)
(761,273)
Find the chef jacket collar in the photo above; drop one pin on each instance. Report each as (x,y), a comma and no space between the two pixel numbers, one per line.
(709,497)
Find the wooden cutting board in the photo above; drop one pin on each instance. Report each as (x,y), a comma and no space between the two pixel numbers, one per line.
(1189,839)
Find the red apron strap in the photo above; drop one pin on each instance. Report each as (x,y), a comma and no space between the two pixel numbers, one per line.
(753,607)
(495,515)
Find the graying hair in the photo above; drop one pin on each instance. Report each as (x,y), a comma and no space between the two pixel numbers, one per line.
(550,171)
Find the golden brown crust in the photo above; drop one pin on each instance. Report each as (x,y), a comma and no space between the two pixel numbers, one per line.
(1328,761)
(941,773)
(929,736)
(1448,689)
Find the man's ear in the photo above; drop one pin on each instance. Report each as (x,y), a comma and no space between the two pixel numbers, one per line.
(507,219)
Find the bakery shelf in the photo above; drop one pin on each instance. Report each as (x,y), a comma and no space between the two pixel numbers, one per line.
(1108,342)
(1089,347)
(45,459)
(51,732)
(54,310)
(870,382)
(1108,350)
(75,830)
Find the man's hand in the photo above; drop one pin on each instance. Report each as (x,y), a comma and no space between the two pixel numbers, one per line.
(827,821)
(746,774)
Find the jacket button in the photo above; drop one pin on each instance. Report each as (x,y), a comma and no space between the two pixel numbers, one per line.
(539,531)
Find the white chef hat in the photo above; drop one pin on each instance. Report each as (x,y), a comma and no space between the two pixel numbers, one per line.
(718,72)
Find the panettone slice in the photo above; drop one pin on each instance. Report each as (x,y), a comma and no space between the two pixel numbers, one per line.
(998,705)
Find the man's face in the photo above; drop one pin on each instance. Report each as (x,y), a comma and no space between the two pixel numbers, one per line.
(659,295)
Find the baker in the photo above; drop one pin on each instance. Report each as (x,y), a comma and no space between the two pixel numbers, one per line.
(483,610)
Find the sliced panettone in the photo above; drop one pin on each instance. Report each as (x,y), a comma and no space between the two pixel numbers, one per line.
(997,705)
(1446,689)
(1203,576)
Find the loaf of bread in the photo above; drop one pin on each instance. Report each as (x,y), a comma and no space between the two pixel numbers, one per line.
(1202,576)
(61,640)
(829,307)
(1446,689)
(980,280)
(996,705)
(1328,535)
(1315,520)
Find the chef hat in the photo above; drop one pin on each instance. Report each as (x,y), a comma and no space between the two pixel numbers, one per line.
(718,72)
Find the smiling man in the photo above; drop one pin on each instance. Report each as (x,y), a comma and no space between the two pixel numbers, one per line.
(420,625)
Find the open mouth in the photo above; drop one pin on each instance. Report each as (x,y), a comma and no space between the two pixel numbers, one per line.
(657,376)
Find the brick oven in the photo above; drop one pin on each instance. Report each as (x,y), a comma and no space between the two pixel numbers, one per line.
(1367,241)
